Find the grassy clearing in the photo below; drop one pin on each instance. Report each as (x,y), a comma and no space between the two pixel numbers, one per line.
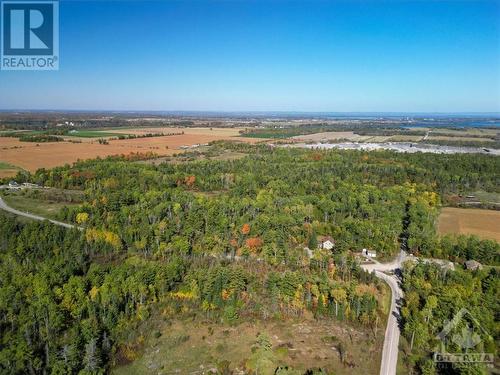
(4,165)
(38,206)
(200,154)
(187,346)
(486,197)
(8,170)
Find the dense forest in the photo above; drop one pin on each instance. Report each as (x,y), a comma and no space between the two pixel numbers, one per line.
(433,296)
(229,238)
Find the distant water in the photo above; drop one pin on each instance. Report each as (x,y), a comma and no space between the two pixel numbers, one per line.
(455,124)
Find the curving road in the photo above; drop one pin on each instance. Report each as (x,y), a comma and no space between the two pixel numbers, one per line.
(392,332)
(5,207)
(391,342)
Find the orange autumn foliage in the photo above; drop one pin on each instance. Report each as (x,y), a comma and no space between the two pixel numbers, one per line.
(245,229)
(253,243)
(317,157)
(190,180)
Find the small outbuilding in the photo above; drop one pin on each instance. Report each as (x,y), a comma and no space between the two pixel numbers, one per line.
(473,265)
(326,242)
(369,253)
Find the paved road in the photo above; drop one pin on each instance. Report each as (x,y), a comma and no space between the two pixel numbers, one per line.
(5,207)
(392,332)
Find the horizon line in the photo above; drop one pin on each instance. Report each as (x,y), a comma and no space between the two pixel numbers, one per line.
(297,112)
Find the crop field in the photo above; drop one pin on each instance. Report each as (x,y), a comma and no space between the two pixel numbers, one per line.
(223,132)
(461,132)
(31,155)
(92,134)
(8,170)
(483,223)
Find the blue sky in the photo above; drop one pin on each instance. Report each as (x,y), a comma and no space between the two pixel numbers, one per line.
(392,56)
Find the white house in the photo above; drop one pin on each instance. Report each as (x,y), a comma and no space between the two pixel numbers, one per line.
(370,253)
(30,185)
(326,242)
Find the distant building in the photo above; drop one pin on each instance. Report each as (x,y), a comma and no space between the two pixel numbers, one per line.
(369,253)
(326,242)
(473,265)
(13,185)
(30,185)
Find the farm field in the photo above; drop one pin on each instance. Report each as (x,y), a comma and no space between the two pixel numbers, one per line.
(8,170)
(483,223)
(460,132)
(31,156)
(92,134)
(225,132)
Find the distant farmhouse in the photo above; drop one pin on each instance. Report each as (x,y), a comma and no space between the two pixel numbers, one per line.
(326,242)
(13,185)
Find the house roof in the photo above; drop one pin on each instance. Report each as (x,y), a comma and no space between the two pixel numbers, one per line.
(326,238)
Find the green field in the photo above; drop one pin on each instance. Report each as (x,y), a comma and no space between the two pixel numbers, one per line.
(42,207)
(4,165)
(85,133)
(92,134)
(8,170)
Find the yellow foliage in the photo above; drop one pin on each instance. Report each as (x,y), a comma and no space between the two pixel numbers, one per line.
(82,217)
(298,300)
(110,183)
(206,306)
(183,295)
(225,294)
(129,353)
(93,293)
(93,235)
